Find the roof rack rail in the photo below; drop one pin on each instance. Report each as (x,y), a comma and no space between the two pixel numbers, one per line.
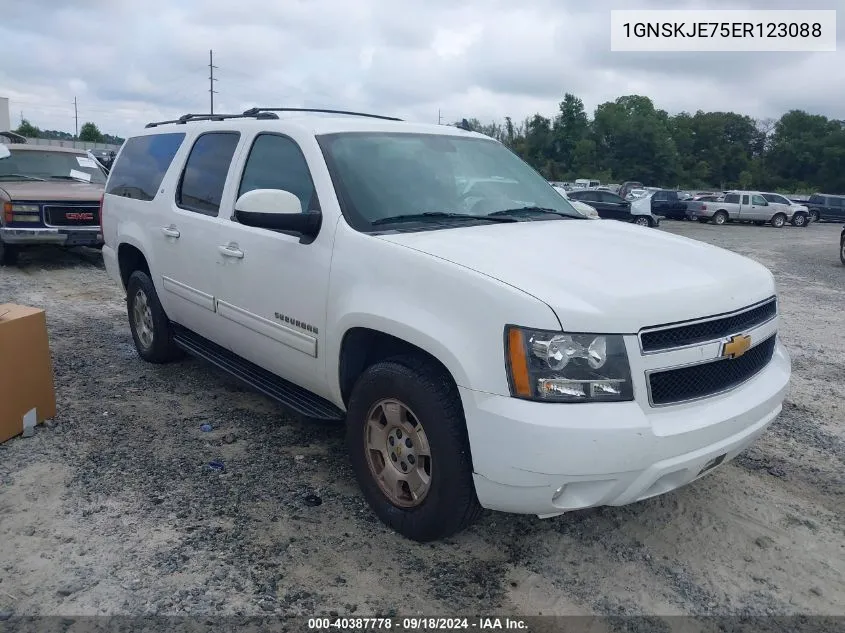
(257,111)
(186,118)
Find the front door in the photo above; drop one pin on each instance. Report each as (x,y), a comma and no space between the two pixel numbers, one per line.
(273,285)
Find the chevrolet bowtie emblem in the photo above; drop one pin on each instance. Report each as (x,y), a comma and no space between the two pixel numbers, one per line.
(736,346)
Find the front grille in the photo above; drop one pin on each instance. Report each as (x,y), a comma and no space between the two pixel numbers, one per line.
(87,214)
(699,381)
(701,332)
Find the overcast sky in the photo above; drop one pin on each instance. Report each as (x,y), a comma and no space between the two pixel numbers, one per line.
(132,61)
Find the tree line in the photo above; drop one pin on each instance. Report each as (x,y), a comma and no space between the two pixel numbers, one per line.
(89,133)
(630,139)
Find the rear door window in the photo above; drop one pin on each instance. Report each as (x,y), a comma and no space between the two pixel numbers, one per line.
(744,199)
(836,202)
(204,178)
(143,162)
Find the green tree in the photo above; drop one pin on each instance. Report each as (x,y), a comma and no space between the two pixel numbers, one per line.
(28,130)
(571,126)
(90,133)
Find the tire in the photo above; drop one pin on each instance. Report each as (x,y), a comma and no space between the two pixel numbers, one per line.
(642,220)
(425,404)
(800,220)
(720,217)
(842,252)
(8,254)
(778,220)
(148,323)
(814,215)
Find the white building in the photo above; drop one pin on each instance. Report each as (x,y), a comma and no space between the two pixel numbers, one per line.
(5,117)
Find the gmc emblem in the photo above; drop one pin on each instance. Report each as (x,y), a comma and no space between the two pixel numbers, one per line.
(79,216)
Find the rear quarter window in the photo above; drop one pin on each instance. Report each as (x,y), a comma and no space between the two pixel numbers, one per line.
(142,164)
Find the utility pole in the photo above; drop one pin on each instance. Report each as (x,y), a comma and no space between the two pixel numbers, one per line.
(211,79)
(76,118)
(439,118)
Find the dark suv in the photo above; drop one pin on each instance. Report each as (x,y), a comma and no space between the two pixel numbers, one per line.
(823,206)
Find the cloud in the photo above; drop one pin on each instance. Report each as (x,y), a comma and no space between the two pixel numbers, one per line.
(483,58)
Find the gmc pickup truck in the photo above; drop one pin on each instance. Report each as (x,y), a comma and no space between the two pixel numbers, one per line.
(487,347)
(49,195)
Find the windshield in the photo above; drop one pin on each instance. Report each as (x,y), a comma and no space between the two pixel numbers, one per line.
(390,175)
(26,164)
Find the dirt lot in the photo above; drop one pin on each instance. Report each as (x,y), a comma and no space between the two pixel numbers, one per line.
(113,509)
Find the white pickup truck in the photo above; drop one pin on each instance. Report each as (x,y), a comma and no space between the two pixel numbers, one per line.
(485,344)
(745,206)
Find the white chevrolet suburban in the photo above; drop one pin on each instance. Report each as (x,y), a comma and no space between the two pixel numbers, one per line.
(486,345)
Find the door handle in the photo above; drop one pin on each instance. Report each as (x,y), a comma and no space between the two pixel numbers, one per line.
(231,251)
(170,231)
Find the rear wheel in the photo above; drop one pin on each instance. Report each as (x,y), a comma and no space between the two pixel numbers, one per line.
(720,218)
(409,449)
(778,220)
(799,220)
(149,324)
(643,220)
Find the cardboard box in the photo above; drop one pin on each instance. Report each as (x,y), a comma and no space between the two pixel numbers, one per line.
(27,395)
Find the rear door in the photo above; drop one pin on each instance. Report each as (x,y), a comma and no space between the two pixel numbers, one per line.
(187,239)
(836,208)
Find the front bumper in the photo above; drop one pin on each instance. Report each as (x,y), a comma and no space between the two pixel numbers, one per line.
(70,236)
(546,459)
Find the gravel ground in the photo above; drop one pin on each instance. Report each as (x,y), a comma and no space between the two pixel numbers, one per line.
(112,507)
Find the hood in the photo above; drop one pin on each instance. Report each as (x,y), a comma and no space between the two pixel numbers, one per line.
(601,277)
(51,191)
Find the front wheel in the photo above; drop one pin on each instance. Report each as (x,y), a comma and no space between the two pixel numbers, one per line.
(149,324)
(642,220)
(409,449)
(799,220)
(8,254)
(814,216)
(720,218)
(842,252)
(778,220)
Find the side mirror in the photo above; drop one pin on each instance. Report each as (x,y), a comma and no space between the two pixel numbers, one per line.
(278,210)
(4,151)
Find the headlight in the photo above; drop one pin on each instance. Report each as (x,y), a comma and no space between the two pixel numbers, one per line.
(561,367)
(25,208)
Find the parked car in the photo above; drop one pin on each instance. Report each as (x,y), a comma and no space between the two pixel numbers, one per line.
(501,352)
(627,186)
(800,212)
(742,206)
(668,204)
(49,195)
(608,205)
(842,246)
(633,194)
(824,206)
(581,207)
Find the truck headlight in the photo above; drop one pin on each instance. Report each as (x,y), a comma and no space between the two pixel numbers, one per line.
(25,208)
(563,367)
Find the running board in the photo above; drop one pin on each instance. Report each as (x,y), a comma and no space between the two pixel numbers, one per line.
(287,394)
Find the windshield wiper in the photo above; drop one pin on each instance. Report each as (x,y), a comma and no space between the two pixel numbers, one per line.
(528,210)
(439,215)
(70,178)
(23,176)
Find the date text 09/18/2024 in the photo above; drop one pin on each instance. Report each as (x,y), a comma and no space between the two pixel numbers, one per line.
(410,624)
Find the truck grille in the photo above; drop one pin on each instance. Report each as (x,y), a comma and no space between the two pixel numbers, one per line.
(672,386)
(710,330)
(87,214)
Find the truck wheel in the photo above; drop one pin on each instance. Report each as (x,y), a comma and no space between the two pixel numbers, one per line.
(409,449)
(8,254)
(814,216)
(799,220)
(778,220)
(720,217)
(842,252)
(149,324)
